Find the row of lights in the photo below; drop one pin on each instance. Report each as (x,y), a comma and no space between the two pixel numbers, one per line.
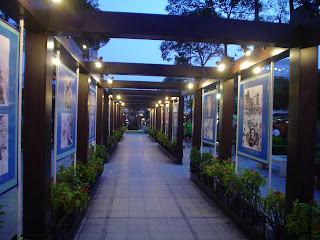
(228,61)
(218,96)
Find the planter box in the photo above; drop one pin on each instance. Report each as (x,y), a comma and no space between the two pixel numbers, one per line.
(249,218)
(171,154)
(66,227)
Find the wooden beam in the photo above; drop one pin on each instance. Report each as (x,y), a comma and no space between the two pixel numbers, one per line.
(83,117)
(197,119)
(176,28)
(37,121)
(111,103)
(225,119)
(151,93)
(302,124)
(99,121)
(158,118)
(170,120)
(70,45)
(145,85)
(180,134)
(260,57)
(105,123)
(153,70)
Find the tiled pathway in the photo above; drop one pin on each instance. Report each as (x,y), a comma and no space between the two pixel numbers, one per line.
(144,196)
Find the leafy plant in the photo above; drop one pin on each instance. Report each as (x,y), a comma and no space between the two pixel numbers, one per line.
(277,140)
(195,156)
(72,188)
(101,151)
(274,206)
(304,221)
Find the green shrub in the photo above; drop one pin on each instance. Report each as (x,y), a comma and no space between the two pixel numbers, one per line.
(274,206)
(277,140)
(72,186)
(304,221)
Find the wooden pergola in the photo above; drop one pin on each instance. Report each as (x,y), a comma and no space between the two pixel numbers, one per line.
(43,24)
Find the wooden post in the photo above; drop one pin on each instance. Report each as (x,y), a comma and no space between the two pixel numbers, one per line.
(180,132)
(197,119)
(105,123)
(150,118)
(158,118)
(170,120)
(99,116)
(83,117)
(164,119)
(154,121)
(225,119)
(116,117)
(111,116)
(37,135)
(119,117)
(302,124)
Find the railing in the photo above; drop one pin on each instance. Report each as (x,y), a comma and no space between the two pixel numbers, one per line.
(249,215)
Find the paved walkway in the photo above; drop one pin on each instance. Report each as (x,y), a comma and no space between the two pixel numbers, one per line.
(144,196)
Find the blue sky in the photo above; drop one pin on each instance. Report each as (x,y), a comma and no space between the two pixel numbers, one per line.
(133,50)
(139,51)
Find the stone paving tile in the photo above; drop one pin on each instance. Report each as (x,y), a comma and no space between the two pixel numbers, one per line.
(142,195)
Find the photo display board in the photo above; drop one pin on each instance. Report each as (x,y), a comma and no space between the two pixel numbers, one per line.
(254,118)
(92,113)
(162,112)
(66,110)
(175,119)
(209,117)
(9,76)
(167,116)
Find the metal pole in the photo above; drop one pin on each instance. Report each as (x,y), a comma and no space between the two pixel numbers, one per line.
(237,135)
(202,120)
(55,146)
(270,123)
(215,124)
(76,127)
(19,188)
(95,124)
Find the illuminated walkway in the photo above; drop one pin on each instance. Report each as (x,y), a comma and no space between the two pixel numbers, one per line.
(144,196)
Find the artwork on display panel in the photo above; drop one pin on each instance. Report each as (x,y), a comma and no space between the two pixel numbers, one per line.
(254,118)
(92,113)
(67,92)
(4,70)
(167,117)
(91,126)
(4,132)
(66,130)
(175,119)
(9,65)
(209,122)
(66,110)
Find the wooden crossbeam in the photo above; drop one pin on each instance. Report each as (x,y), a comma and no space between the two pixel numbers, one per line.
(153,70)
(175,28)
(145,85)
(144,93)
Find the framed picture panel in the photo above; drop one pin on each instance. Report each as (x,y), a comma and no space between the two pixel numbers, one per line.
(66,111)
(209,117)
(254,117)
(92,113)
(9,78)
